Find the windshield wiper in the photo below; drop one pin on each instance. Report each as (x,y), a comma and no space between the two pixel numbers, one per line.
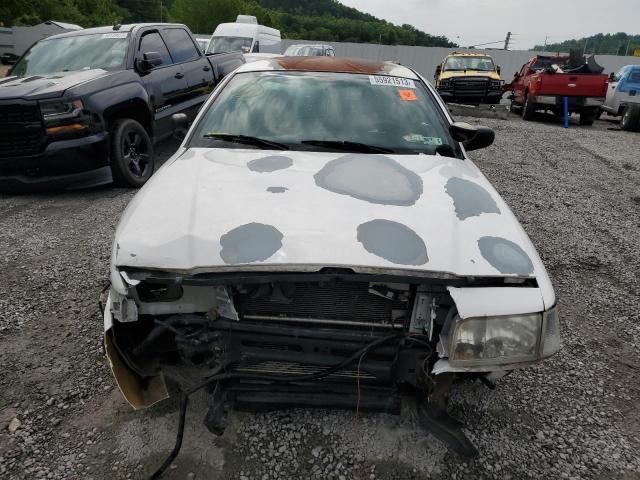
(248,140)
(347,146)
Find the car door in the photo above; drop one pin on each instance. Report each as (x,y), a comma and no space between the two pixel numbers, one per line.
(195,67)
(165,83)
(611,103)
(518,84)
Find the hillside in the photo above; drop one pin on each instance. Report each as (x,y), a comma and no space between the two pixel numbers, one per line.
(321,20)
(602,44)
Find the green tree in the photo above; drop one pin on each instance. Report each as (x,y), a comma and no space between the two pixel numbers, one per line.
(203,16)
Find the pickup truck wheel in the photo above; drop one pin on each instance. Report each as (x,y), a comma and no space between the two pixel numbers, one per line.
(131,154)
(587,117)
(528,109)
(631,118)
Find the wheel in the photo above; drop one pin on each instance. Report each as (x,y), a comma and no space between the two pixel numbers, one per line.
(131,154)
(528,109)
(588,116)
(631,118)
(515,108)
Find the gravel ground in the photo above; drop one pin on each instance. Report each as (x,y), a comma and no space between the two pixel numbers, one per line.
(576,416)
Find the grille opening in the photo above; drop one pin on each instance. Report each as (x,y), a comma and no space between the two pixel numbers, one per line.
(336,301)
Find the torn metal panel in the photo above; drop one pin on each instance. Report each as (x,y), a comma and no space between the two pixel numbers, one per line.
(138,391)
(495,372)
(496,301)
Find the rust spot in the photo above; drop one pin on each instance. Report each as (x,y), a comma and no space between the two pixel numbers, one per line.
(333,64)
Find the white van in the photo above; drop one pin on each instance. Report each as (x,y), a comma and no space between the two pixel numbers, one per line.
(245,35)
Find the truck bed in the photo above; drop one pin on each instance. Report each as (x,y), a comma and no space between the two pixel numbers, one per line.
(570,85)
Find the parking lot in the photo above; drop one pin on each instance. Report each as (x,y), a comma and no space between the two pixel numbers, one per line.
(576,192)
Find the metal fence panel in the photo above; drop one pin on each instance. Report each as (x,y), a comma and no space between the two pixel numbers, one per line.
(425,59)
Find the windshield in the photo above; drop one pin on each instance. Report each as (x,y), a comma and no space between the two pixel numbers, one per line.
(483,64)
(230,44)
(68,54)
(305,52)
(312,111)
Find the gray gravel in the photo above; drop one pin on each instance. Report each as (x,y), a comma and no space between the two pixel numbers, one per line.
(576,416)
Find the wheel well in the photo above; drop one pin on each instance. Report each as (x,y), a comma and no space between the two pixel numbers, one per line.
(136,110)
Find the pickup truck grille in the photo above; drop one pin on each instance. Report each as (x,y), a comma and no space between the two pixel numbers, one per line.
(343,302)
(470,86)
(21,130)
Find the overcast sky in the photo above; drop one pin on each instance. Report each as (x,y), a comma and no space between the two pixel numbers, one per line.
(470,22)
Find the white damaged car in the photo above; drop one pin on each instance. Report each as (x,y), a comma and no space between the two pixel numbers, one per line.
(321,239)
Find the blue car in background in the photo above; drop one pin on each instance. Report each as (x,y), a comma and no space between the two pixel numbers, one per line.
(623,97)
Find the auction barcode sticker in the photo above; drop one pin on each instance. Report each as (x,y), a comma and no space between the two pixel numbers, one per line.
(391,81)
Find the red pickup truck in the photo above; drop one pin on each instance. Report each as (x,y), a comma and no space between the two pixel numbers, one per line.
(544,81)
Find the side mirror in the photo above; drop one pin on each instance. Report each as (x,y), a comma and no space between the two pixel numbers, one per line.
(612,77)
(438,71)
(180,123)
(149,61)
(472,137)
(516,75)
(498,69)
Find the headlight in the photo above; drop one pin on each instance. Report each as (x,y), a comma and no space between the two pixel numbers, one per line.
(504,340)
(57,110)
(496,83)
(444,84)
(495,340)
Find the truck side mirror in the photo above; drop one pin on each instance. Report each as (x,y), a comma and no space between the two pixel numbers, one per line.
(438,71)
(498,69)
(516,76)
(149,61)
(612,77)
(472,137)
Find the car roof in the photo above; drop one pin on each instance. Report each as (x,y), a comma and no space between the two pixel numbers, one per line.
(113,29)
(329,64)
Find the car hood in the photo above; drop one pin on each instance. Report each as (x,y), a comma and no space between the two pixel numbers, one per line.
(469,73)
(50,85)
(230,210)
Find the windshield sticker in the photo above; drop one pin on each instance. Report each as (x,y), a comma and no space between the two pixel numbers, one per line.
(391,81)
(408,95)
(115,35)
(417,138)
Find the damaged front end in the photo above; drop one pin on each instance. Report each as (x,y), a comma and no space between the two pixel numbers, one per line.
(327,339)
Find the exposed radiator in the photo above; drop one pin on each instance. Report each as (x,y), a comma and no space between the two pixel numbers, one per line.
(340,301)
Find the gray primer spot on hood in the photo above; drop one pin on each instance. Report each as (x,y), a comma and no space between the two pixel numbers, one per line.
(253,242)
(270,164)
(393,241)
(375,179)
(277,189)
(470,199)
(505,256)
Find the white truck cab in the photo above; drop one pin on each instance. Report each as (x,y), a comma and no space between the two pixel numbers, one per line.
(245,35)
(623,97)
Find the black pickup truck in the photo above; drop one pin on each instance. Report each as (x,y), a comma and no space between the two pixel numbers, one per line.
(84,108)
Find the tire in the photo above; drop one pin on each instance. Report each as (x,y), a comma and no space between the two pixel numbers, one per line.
(588,116)
(528,109)
(132,162)
(515,108)
(631,118)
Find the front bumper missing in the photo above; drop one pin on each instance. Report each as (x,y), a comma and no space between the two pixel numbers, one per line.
(140,392)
